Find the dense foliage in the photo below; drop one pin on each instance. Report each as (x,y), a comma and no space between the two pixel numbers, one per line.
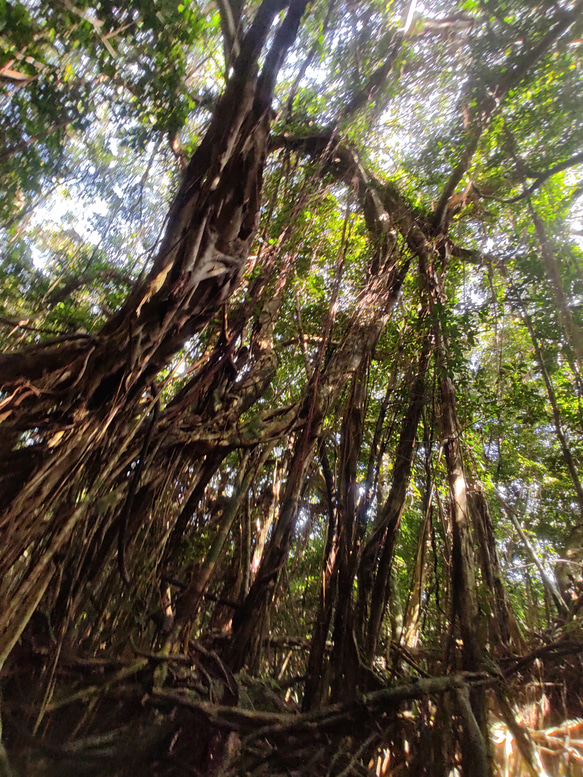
(291,422)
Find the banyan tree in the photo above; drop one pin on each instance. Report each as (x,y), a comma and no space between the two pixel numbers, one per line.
(291,422)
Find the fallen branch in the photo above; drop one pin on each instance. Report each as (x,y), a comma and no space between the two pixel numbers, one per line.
(269,724)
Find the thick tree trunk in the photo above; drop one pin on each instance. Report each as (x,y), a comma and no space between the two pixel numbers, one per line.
(463,583)
(465,609)
(81,396)
(465,602)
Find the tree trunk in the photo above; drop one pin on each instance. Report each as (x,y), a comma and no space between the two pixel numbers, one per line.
(315,687)
(505,628)
(382,543)
(377,301)
(82,395)
(551,264)
(345,660)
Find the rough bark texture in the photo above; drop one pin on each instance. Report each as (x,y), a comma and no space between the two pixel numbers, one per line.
(82,395)
(378,554)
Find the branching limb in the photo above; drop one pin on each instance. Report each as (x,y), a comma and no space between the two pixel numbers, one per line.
(489,104)
(230,14)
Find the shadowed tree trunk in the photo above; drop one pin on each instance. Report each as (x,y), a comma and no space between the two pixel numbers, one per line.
(81,395)
(377,301)
(465,609)
(504,626)
(377,556)
(315,682)
(345,660)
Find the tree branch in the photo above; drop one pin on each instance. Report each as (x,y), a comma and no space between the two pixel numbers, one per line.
(541,178)
(489,104)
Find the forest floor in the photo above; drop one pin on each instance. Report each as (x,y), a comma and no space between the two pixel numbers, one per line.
(187,714)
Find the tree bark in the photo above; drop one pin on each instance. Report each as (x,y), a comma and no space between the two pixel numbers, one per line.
(377,301)
(81,395)
(314,687)
(381,545)
(505,628)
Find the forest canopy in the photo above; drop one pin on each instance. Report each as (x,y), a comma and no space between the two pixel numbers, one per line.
(291,383)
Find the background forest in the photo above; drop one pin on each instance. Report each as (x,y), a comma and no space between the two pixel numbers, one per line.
(291,383)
